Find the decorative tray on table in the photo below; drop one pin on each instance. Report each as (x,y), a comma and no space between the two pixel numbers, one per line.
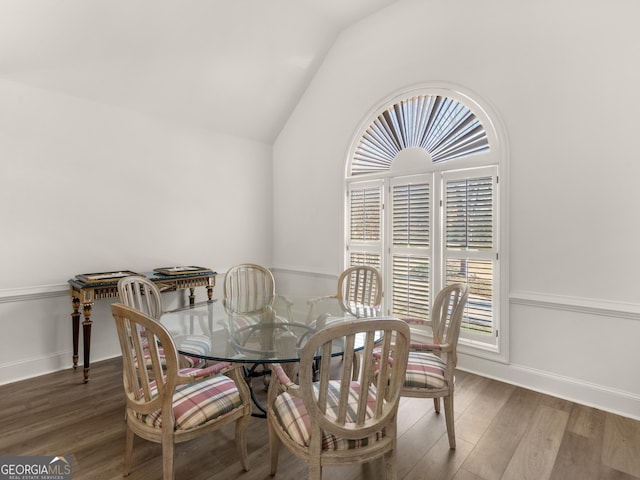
(189,270)
(106,277)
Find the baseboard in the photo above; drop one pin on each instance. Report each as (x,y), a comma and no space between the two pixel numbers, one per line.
(597,396)
(34,366)
(26,368)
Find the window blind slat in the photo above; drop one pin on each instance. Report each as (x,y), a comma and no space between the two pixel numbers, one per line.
(444,127)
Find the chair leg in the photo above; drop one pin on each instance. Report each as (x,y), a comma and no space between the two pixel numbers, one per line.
(128,452)
(168,450)
(241,441)
(436,404)
(448,415)
(390,466)
(315,471)
(274,448)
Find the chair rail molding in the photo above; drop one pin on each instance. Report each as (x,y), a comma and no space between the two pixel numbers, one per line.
(305,273)
(35,292)
(591,306)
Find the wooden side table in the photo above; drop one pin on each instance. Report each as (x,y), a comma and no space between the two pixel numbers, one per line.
(85,293)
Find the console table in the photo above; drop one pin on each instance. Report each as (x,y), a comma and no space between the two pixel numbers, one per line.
(85,290)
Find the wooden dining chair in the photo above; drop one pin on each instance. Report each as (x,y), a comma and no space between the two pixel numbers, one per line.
(359,295)
(431,367)
(144,295)
(359,292)
(337,420)
(169,405)
(249,292)
(248,289)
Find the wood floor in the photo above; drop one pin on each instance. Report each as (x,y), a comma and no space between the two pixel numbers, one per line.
(502,431)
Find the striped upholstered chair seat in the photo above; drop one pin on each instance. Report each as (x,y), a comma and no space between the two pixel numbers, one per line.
(425,370)
(196,344)
(197,403)
(295,420)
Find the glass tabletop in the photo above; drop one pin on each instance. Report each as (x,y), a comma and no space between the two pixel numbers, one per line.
(207,331)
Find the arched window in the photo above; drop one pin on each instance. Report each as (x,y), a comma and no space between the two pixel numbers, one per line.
(423,205)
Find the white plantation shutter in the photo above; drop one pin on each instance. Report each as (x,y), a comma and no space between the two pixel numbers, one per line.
(469,243)
(479,313)
(411,245)
(410,286)
(469,213)
(411,214)
(365,224)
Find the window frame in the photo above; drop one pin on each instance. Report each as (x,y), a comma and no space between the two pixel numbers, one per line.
(494,160)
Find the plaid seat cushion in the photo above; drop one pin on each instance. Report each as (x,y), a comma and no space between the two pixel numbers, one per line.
(194,362)
(197,344)
(424,370)
(199,402)
(294,418)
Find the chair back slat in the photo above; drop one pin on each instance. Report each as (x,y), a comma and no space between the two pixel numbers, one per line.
(345,379)
(128,348)
(384,372)
(366,376)
(325,365)
(141,379)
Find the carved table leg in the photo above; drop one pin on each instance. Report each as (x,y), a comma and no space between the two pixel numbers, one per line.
(75,322)
(209,293)
(86,336)
(192,296)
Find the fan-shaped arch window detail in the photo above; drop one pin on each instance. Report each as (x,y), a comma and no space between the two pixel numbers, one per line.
(445,128)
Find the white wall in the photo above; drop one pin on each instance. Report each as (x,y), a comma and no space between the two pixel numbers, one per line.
(85,187)
(563,79)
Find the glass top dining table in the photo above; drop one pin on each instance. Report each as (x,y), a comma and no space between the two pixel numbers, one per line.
(205,330)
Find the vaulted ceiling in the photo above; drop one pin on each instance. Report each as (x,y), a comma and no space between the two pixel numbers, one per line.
(235,66)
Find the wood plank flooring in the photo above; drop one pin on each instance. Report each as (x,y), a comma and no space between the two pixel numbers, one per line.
(502,432)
